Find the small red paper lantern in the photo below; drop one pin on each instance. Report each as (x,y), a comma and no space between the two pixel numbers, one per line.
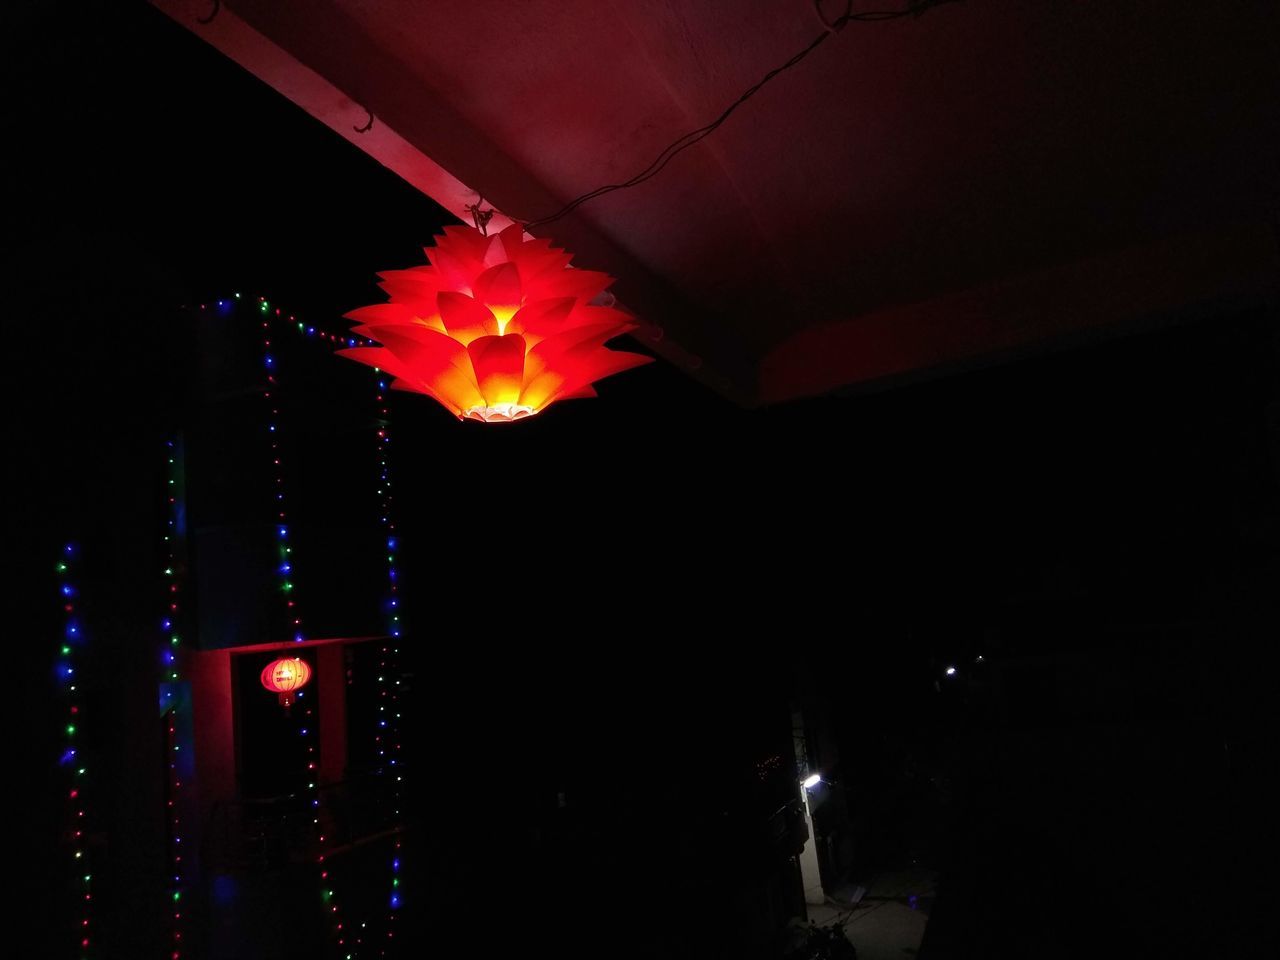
(285,676)
(496,328)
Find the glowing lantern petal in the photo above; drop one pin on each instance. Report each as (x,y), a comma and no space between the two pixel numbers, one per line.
(457,268)
(498,288)
(567,380)
(553,349)
(584,284)
(432,362)
(465,318)
(392,314)
(541,318)
(499,366)
(496,328)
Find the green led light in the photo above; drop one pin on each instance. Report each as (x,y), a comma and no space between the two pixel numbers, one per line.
(65,651)
(71,729)
(288,585)
(177,895)
(62,568)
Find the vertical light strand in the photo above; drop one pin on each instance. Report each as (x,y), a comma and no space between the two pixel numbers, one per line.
(171,658)
(388,732)
(284,549)
(307,722)
(72,643)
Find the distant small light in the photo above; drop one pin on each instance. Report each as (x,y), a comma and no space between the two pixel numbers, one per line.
(951,671)
(812,781)
(978,658)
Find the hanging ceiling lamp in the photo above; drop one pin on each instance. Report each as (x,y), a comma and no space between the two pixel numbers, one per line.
(496,328)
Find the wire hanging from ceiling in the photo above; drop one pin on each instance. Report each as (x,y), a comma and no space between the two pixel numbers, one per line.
(913,9)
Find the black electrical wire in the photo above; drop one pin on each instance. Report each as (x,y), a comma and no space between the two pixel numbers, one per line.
(915,8)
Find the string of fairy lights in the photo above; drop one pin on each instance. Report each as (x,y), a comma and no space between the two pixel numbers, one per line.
(170,656)
(387,733)
(306,719)
(71,644)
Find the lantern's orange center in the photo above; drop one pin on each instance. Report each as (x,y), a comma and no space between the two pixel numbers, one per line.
(503,314)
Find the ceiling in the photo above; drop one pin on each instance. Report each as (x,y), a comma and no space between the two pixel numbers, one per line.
(978,182)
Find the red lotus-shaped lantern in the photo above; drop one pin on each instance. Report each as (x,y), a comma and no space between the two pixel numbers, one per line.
(496,328)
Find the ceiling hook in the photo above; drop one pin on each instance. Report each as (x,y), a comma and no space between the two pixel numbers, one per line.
(368,126)
(217,8)
(480,217)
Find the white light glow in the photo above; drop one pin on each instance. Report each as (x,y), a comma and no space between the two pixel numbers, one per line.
(811,781)
(951,671)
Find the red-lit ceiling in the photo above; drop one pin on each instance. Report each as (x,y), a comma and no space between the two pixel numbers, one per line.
(980,181)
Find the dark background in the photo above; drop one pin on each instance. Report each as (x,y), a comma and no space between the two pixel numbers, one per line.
(638,581)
